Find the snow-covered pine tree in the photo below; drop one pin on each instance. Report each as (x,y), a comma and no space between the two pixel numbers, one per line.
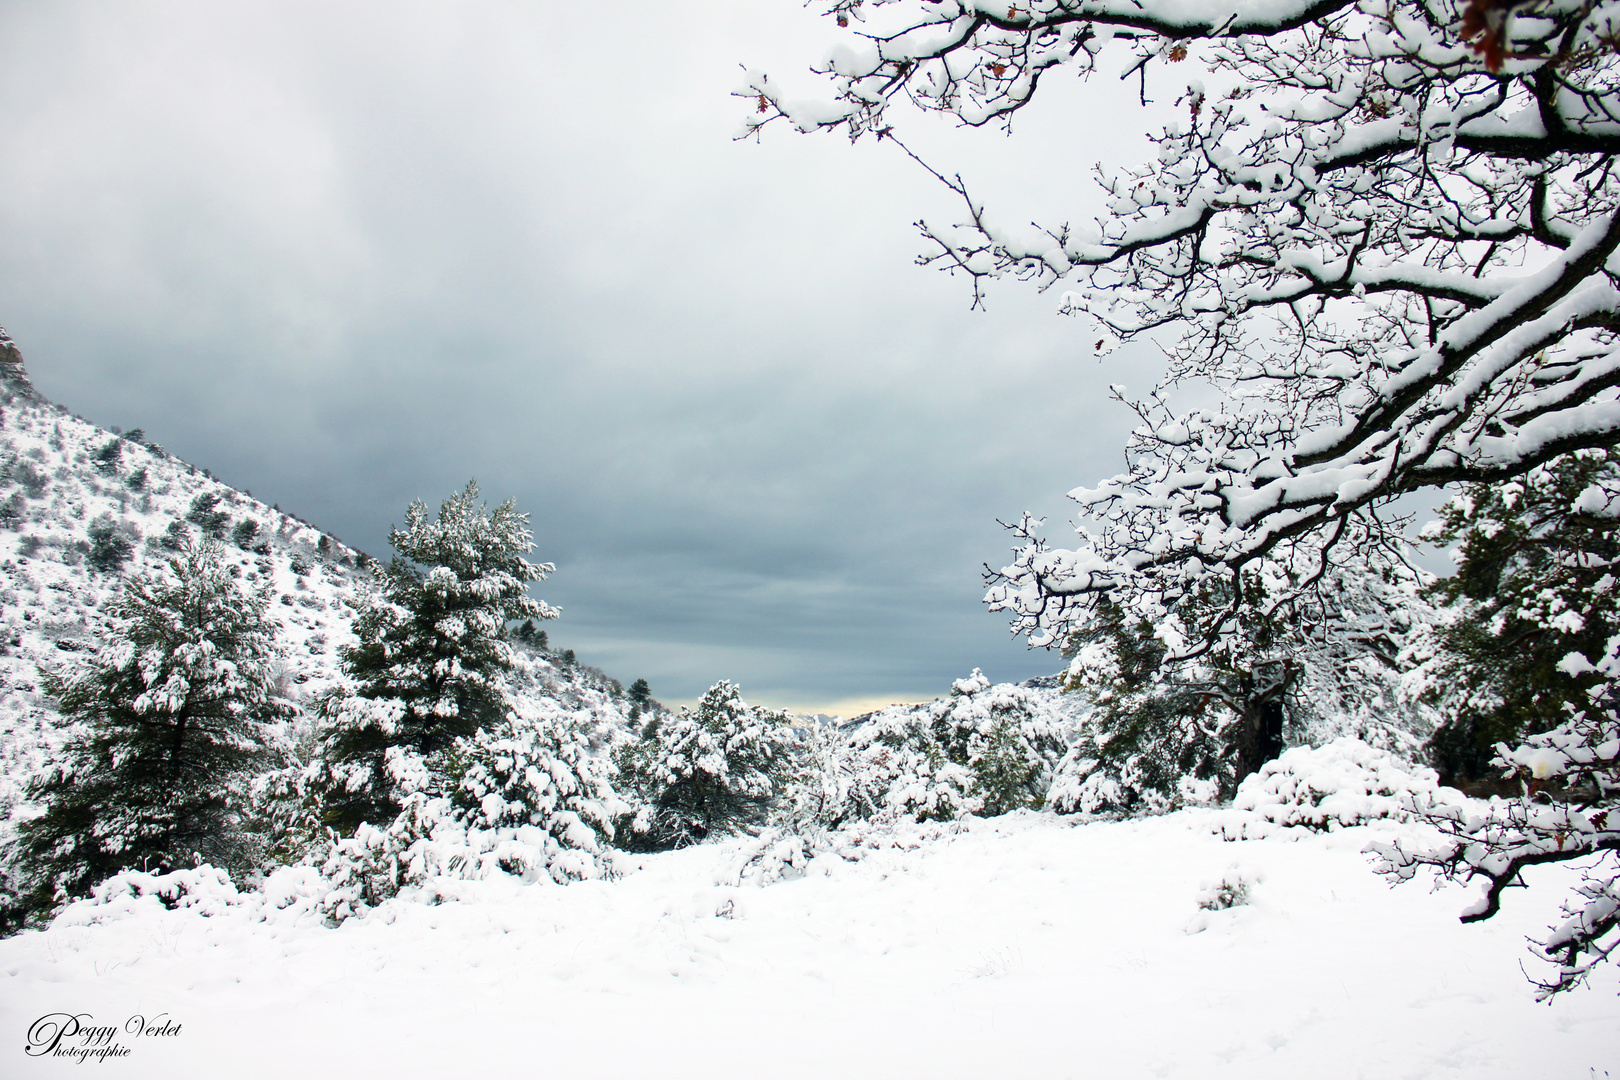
(1535,605)
(707,770)
(429,667)
(536,798)
(168,721)
(1006,738)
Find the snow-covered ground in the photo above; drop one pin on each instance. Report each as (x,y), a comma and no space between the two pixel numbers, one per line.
(1026,945)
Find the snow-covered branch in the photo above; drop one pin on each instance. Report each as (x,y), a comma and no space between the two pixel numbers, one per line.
(1388,228)
(1571,776)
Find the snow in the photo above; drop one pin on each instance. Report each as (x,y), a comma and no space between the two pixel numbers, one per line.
(1339,785)
(1021,945)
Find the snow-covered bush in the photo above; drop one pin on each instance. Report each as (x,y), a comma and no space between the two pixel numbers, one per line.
(1232,889)
(892,767)
(1336,786)
(774,855)
(1180,763)
(984,750)
(206,888)
(531,799)
(541,797)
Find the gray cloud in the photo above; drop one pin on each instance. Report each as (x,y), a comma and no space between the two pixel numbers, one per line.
(346,256)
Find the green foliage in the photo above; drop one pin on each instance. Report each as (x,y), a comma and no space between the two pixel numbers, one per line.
(206,515)
(1161,722)
(176,536)
(984,750)
(712,769)
(1536,606)
(1003,738)
(245,533)
(431,653)
(640,692)
(32,479)
(106,458)
(110,545)
(13,509)
(168,720)
(1192,695)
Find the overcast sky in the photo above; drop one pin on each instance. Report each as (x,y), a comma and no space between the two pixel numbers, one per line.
(345,255)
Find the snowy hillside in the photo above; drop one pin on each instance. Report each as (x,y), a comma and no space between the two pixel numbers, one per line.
(64,482)
(58,482)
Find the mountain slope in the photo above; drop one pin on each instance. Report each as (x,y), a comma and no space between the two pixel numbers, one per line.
(69,490)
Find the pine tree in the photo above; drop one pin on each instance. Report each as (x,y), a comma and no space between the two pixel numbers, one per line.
(1535,609)
(206,515)
(168,720)
(708,770)
(110,545)
(430,663)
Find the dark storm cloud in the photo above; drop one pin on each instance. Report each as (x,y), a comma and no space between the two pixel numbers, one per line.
(349,255)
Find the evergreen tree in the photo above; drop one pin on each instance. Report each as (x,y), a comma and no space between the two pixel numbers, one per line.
(708,770)
(245,533)
(206,515)
(110,546)
(1004,738)
(106,458)
(176,536)
(1535,608)
(430,663)
(167,721)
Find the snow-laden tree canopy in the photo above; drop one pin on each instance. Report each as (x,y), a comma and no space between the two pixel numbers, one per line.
(1387,229)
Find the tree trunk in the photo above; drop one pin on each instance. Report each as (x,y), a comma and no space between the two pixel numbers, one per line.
(1249,741)
(1260,728)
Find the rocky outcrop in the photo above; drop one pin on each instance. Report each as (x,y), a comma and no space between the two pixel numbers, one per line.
(12,372)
